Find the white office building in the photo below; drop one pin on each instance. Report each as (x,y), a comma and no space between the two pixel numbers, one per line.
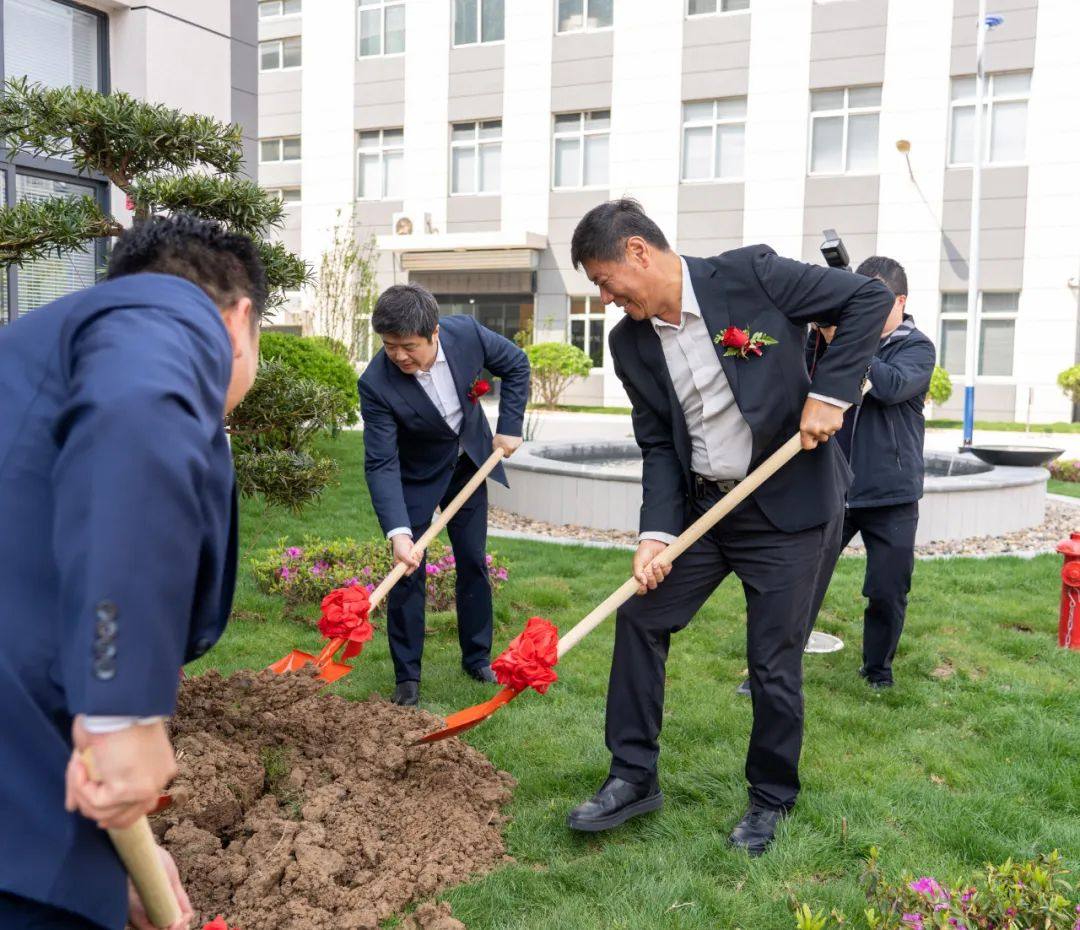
(469,136)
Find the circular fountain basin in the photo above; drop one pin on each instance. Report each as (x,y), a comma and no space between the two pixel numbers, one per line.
(598,485)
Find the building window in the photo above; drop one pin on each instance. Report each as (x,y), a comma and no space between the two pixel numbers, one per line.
(479,21)
(844,130)
(1005,99)
(279,54)
(274,9)
(380,164)
(714,133)
(53,43)
(705,7)
(285,194)
(584,15)
(475,157)
(283,149)
(581,149)
(997,333)
(381,27)
(586,327)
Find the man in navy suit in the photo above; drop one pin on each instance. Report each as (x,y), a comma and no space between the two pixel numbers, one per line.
(118,554)
(425,434)
(705,414)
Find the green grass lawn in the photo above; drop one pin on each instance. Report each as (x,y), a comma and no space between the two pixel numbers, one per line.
(974,756)
(1007,426)
(1069,488)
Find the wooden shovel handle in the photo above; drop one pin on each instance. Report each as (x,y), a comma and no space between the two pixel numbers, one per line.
(138,851)
(689,536)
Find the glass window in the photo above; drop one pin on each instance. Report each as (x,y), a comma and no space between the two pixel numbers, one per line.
(380,164)
(478,21)
(844,130)
(380,27)
(52,44)
(714,134)
(280,149)
(50,278)
(701,7)
(584,15)
(997,333)
(285,194)
(279,53)
(476,157)
(586,327)
(581,155)
(1005,103)
(271,9)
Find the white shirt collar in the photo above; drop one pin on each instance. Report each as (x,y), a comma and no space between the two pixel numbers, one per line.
(689,301)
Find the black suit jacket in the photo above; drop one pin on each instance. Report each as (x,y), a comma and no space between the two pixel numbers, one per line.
(755,289)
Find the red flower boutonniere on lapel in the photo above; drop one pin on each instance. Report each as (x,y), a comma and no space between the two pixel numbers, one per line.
(739,342)
(478,389)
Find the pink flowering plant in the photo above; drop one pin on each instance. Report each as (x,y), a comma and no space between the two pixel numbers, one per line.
(311,570)
(1030,895)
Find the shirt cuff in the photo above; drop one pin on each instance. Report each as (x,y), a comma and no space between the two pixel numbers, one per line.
(842,404)
(100,724)
(398,531)
(657,536)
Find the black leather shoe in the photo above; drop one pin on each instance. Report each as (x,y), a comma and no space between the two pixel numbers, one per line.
(755,831)
(616,802)
(407,694)
(879,684)
(744,688)
(482,673)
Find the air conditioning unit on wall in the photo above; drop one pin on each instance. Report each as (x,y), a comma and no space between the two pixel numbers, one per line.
(406,224)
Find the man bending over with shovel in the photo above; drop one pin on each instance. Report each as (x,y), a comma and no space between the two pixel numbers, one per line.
(425,434)
(118,552)
(711,356)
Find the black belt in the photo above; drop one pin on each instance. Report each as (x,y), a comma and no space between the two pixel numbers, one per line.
(703,486)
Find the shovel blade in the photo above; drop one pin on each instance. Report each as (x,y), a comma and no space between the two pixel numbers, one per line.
(470,717)
(293,662)
(332,671)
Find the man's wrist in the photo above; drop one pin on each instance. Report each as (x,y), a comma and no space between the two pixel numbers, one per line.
(656,536)
(400,531)
(842,404)
(99,724)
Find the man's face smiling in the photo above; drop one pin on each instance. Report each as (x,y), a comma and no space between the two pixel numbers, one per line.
(412,353)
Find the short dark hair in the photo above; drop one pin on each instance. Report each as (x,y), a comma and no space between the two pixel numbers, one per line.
(406,310)
(226,265)
(601,233)
(887,270)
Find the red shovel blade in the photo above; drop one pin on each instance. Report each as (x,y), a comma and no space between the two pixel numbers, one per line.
(332,671)
(468,718)
(293,662)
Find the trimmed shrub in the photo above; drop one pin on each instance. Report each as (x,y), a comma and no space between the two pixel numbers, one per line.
(940,386)
(1069,382)
(1065,469)
(554,365)
(317,359)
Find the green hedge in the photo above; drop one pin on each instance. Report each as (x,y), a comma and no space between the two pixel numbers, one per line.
(318,359)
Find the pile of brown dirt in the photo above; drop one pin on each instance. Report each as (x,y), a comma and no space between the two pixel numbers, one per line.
(302,811)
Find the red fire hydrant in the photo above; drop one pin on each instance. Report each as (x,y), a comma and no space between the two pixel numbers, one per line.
(1069,619)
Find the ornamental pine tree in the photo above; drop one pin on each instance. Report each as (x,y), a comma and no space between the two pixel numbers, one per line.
(166,162)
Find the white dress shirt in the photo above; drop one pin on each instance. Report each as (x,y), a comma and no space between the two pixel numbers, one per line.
(438,384)
(721,443)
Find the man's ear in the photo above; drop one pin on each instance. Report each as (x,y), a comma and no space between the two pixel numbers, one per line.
(637,251)
(434,334)
(239,319)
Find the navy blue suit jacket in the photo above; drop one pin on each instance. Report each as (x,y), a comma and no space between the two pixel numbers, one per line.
(117,550)
(753,288)
(409,451)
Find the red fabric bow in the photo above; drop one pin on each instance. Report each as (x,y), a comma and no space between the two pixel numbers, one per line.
(529,659)
(478,389)
(345,616)
(218,923)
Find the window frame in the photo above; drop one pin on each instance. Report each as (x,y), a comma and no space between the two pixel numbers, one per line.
(55,167)
(846,112)
(479,27)
(582,134)
(476,144)
(585,20)
(590,318)
(382,152)
(945,316)
(713,124)
(383,6)
(281,159)
(280,42)
(276,16)
(989,101)
(719,11)
(280,191)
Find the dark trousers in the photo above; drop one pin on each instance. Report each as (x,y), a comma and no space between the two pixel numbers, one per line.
(23,914)
(779,574)
(889,536)
(405,606)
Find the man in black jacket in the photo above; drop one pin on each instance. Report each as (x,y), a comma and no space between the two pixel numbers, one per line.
(708,406)
(883,442)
